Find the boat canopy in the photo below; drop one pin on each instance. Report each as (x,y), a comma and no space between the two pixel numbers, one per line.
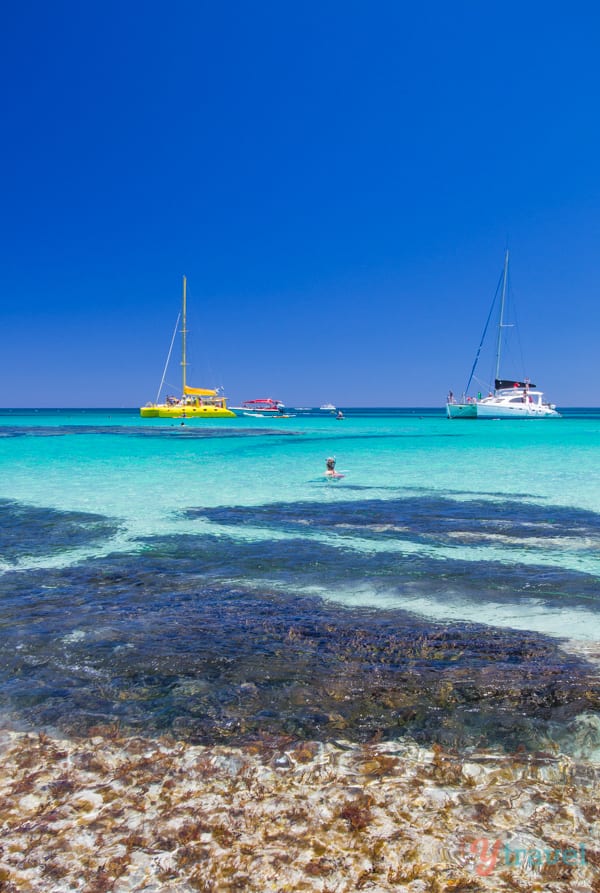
(199,392)
(266,400)
(502,383)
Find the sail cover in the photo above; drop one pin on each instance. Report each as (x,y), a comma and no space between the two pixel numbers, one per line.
(502,383)
(199,392)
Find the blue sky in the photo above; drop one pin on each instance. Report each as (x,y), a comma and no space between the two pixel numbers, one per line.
(338,181)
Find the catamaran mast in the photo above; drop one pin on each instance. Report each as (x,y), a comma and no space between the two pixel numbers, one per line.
(501,323)
(183,333)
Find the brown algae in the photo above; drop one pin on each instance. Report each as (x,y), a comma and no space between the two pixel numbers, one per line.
(113,813)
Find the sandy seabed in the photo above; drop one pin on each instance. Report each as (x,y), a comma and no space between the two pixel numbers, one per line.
(114,813)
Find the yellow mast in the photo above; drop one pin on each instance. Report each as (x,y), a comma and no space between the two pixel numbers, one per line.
(183,333)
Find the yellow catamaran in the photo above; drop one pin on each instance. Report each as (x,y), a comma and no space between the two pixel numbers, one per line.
(194,403)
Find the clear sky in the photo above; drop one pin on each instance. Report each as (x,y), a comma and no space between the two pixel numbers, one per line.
(338,181)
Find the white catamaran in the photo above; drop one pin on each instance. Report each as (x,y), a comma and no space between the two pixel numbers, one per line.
(510,399)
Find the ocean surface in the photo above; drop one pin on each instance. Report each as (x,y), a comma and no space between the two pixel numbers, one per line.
(208,580)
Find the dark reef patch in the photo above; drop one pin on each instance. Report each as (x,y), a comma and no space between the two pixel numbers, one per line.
(298,563)
(159,641)
(173,429)
(422,519)
(431,521)
(27,530)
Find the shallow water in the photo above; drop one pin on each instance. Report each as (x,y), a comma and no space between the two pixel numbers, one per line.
(209,580)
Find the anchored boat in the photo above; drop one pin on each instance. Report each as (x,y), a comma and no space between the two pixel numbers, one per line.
(194,403)
(509,399)
(263,407)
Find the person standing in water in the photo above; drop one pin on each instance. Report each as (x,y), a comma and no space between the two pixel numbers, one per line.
(330,467)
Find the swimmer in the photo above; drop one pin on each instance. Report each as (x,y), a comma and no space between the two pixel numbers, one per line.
(330,471)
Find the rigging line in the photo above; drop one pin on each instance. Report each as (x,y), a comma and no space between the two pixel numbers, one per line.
(162,381)
(484,334)
(481,381)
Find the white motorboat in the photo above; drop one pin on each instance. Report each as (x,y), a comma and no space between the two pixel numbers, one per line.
(264,408)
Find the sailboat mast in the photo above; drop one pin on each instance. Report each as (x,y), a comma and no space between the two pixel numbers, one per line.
(183,333)
(501,323)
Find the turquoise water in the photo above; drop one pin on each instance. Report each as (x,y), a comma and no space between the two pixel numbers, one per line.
(162,566)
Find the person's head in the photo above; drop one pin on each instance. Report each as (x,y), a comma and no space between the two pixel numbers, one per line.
(331,462)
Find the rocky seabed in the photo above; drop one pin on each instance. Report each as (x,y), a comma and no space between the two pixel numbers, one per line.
(115,813)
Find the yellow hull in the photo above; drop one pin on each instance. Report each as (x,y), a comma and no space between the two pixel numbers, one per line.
(163,411)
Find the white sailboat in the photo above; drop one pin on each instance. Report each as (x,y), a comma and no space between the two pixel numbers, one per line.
(509,399)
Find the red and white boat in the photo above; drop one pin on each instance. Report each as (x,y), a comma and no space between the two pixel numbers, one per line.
(263,408)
